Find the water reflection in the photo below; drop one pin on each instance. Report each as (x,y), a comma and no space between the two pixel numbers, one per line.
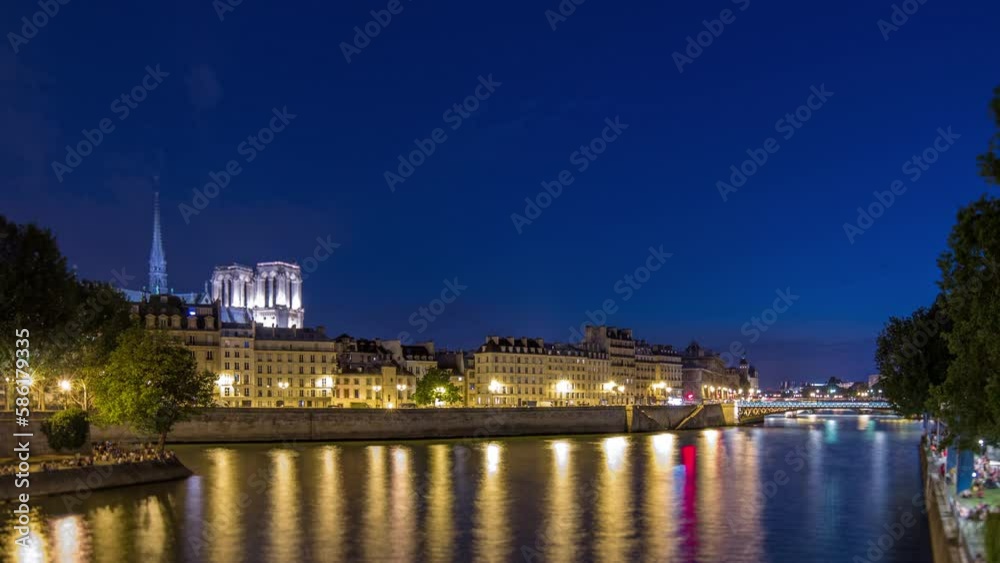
(223,534)
(328,507)
(440,505)
(690,496)
(562,514)
(284,507)
(67,535)
(374,533)
(614,497)
(658,501)
(492,534)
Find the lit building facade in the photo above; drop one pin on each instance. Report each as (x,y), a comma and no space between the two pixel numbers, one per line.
(705,375)
(619,345)
(527,372)
(658,373)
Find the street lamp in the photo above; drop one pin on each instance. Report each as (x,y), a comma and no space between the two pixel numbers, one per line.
(439,391)
(400,387)
(495,387)
(564,387)
(66,386)
(282,385)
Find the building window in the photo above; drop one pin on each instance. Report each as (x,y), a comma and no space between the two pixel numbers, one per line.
(260,368)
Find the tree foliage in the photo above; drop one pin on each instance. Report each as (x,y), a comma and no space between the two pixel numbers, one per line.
(151,382)
(102,316)
(74,325)
(436,386)
(970,282)
(67,429)
(39,293)
(912,356)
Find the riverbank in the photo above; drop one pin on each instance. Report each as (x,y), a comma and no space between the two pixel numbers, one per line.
(81,481)
(946,540)
(233,425)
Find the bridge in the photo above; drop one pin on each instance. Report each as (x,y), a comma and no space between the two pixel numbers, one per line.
(752,411)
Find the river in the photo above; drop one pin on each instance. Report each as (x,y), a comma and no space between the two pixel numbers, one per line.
(818,488)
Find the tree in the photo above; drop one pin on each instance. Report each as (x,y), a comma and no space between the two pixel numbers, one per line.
(67,429)
(970,282)
(102,316)
(151,382)
(435,387)
(39,294)
(912,356)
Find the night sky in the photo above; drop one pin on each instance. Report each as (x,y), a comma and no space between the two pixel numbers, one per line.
(655,185)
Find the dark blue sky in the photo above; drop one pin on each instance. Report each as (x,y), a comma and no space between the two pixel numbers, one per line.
(323,175)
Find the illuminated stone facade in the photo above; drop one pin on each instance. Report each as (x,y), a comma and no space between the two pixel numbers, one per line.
(527,372)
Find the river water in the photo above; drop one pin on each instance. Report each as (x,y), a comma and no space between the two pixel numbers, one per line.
(822,488)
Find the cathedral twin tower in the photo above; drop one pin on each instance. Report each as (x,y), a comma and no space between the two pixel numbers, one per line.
(270,296)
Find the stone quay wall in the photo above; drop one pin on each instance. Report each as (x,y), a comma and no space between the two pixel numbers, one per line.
(945,541)
(286,424)
(80,481)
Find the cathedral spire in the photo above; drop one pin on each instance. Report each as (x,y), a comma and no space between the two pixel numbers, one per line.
(157,259)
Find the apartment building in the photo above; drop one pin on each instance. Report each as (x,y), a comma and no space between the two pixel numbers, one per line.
(619,345)
(659,372)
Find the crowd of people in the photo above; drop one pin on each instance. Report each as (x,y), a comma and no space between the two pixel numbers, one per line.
(115,452)
(104,453)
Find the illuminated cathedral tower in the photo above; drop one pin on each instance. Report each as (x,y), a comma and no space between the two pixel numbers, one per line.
(157,259)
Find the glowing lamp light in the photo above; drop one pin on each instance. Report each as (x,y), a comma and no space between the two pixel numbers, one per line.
(65,385)
(564,386)
(495,386)
(225,381)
